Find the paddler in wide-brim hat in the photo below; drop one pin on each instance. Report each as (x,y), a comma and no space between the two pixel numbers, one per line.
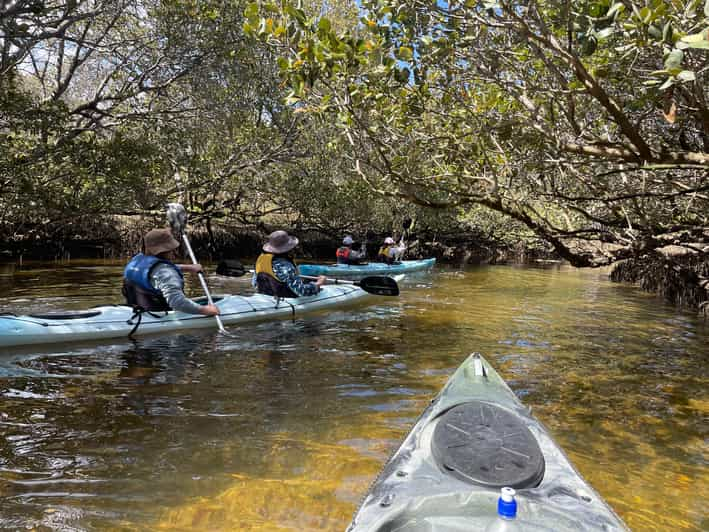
(276,273)
(152,282)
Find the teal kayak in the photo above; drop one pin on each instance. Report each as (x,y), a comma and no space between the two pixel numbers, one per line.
(473,441)
(372,268)
(115,321)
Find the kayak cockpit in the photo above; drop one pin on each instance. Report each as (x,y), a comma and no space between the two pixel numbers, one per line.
(68,315)
(489,446)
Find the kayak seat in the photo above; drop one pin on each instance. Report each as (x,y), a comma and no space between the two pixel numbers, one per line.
(489,446)
(231,268)
(66,315)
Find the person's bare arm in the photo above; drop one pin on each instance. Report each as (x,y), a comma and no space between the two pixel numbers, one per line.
(190,268)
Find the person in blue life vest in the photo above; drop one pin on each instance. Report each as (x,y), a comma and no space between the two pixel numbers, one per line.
(346,255)
(153,283)
(390,252)
(276,273)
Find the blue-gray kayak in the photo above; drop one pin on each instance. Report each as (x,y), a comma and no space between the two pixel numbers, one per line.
(115,321)
(371,268)
(473,441)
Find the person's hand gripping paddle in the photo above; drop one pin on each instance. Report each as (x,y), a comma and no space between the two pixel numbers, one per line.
(177,216)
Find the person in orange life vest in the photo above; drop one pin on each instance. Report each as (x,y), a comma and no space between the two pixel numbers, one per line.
(152,282)
(390,252)
(346,255)
(276,274)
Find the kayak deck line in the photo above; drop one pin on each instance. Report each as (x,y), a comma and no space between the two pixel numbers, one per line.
(472,439)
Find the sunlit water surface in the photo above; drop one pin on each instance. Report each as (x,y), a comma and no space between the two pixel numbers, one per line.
(284,425)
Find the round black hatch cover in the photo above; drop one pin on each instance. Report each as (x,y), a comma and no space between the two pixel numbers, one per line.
(489,446)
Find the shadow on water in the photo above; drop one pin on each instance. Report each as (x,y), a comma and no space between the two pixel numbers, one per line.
(284,425)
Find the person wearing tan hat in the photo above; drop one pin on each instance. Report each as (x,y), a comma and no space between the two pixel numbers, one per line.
(153,283)
(276,273)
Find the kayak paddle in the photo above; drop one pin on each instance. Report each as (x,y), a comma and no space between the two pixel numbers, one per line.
(379,285)
(177,216)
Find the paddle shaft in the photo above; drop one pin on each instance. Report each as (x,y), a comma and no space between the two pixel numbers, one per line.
(333,281)
(202,280)
(377,285)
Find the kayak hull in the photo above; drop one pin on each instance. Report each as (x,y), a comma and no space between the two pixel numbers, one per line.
(117,321)
(419,490)
(372,268)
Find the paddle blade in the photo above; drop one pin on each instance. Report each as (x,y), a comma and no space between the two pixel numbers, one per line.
(176,217)
(231,268)
(379,285)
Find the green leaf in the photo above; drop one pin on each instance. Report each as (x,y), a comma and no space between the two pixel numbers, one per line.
(605,33)
(706,8)
(251,12)
(644,14)
(686,75)
(674,59)
(405,53)
(654,31)
(616,9)
(667,32)
(297,14)
(324,24)
(298,86)
(697,40)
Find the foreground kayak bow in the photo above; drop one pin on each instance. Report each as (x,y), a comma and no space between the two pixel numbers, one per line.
(474,439)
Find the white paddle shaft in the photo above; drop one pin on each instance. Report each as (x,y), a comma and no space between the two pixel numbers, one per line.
(202,280)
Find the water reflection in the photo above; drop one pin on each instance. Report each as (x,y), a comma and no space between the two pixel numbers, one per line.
(285,424)
(167,359)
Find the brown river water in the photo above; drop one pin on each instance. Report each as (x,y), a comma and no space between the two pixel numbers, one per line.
(283,426)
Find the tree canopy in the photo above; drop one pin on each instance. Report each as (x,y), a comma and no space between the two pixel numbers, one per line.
(586,121)
(116,107)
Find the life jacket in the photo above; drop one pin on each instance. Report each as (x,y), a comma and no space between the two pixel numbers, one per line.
(138,291)
(343,255)
(266,280)
(383,255)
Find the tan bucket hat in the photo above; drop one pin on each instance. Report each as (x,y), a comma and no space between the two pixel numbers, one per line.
(280,242)
(159,241)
